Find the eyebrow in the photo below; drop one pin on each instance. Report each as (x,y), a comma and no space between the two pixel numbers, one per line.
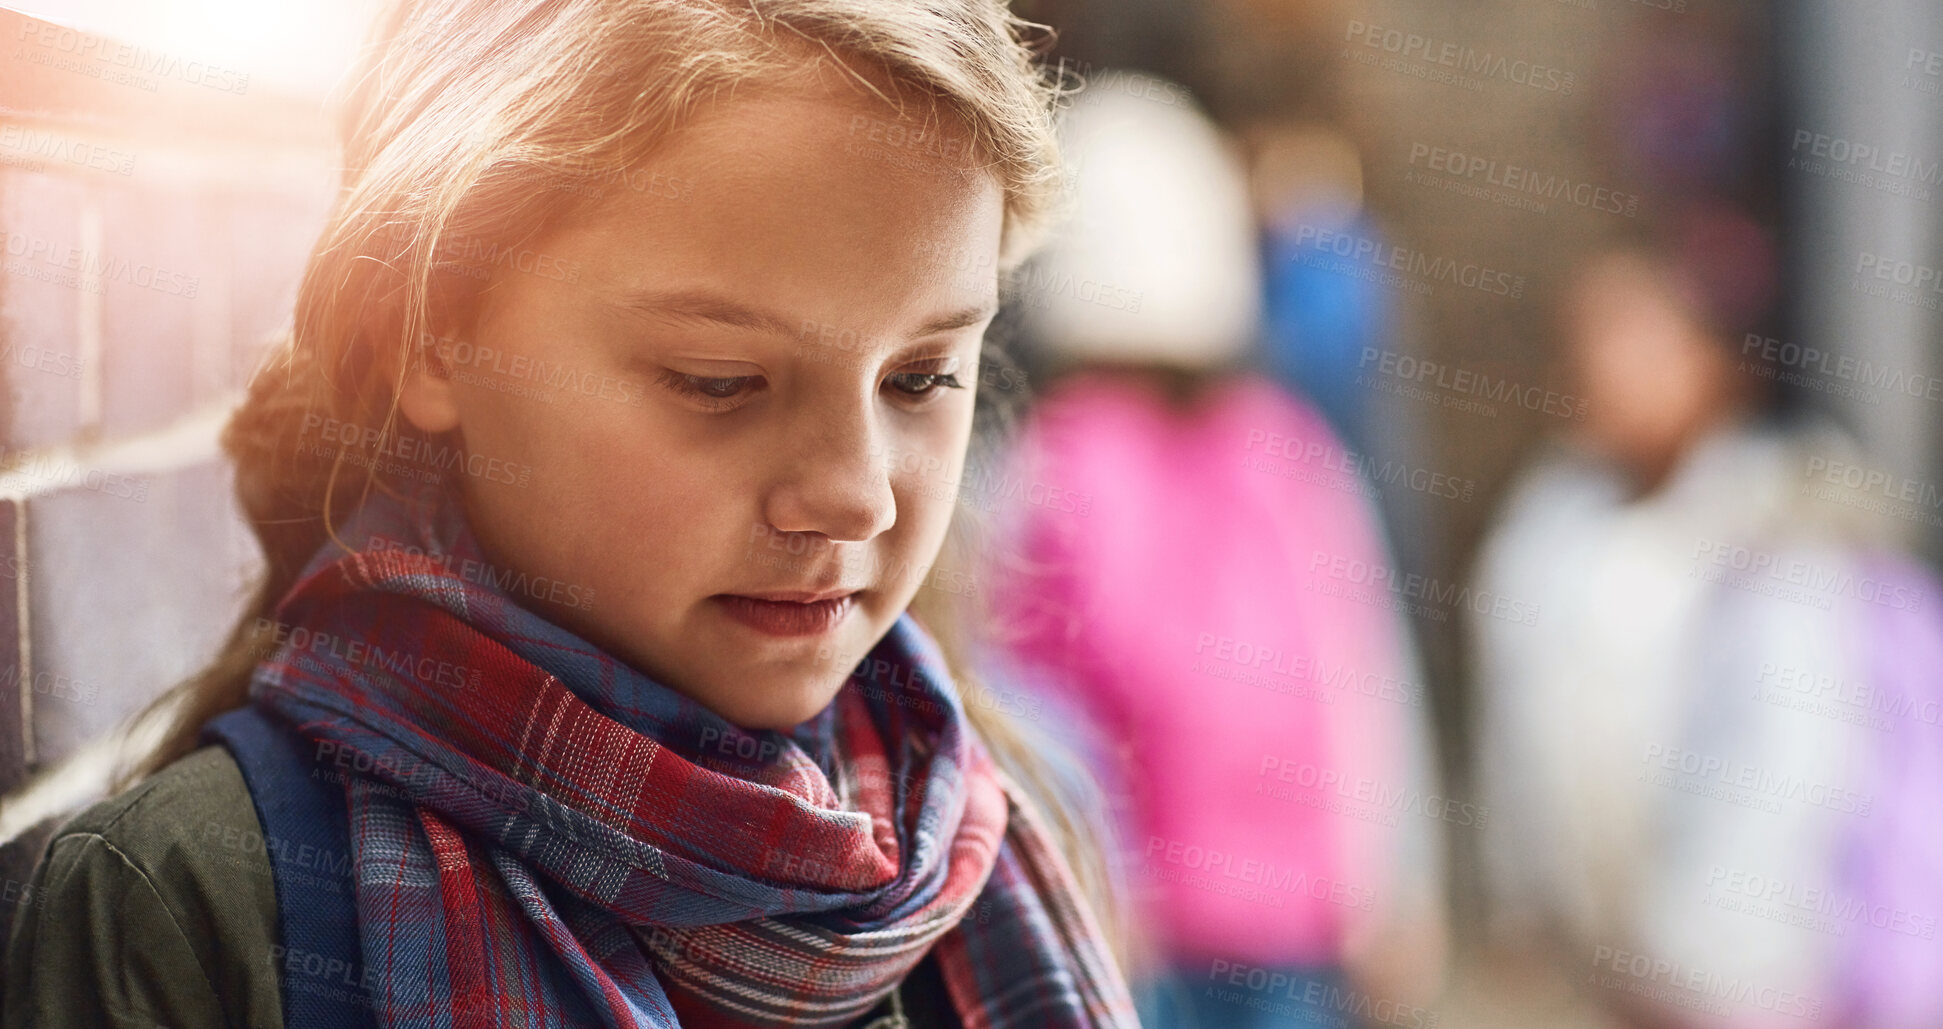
(700,305)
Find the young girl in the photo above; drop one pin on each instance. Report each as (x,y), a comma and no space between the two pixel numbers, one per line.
(616,436)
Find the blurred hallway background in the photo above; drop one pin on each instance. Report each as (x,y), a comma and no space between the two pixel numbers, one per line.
(1430,190)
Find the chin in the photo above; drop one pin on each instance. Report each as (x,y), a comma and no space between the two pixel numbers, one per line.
(780,706)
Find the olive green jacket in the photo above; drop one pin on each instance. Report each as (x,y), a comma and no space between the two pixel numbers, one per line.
(156,908)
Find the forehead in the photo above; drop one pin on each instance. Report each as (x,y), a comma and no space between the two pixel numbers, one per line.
(819,190)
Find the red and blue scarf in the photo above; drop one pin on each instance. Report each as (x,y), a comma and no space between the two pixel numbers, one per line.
(541,835)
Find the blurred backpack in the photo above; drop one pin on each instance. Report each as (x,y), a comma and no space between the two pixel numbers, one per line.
(1893,864)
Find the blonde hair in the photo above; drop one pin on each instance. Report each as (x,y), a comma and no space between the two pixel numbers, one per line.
(468,127)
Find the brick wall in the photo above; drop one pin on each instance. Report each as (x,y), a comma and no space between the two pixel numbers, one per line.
(156,213)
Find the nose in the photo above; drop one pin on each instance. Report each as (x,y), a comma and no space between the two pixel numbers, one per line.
(832,480)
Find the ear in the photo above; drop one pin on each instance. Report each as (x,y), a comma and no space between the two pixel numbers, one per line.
(427,396)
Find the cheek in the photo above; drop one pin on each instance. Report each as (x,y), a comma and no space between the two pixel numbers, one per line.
(929,480)
(608,491)
(924,503)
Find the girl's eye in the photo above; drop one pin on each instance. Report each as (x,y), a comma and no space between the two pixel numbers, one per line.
(712,392)
(921,384)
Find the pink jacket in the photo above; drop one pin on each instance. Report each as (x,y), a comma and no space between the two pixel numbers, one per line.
(1182,590)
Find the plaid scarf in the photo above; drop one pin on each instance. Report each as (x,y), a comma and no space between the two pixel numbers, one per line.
(543,836)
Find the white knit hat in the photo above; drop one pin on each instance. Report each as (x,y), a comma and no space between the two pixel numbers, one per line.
(1157,262)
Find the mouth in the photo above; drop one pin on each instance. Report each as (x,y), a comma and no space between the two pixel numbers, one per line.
(789,613)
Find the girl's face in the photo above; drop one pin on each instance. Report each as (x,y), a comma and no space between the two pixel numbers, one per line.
(741,380)
(1652,379)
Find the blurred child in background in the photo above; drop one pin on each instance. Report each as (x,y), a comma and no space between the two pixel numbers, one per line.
(1267,736)
(1682,757)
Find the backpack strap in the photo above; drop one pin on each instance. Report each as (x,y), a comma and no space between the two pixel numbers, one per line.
(301,804)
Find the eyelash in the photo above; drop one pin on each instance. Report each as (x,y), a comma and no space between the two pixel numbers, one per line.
(696,387)
(933,381)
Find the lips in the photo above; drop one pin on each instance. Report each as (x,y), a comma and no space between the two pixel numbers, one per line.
(789,613)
